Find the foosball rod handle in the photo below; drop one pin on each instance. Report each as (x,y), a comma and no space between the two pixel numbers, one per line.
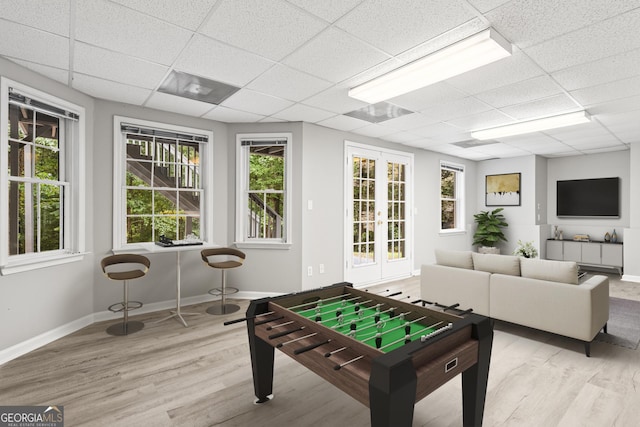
(310,347)
(244,319)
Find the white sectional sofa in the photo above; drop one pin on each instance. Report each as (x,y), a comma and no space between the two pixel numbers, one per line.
(540,294)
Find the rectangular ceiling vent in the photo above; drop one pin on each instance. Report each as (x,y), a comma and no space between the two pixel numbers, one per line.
(198,88)
(378,113)
(473,143)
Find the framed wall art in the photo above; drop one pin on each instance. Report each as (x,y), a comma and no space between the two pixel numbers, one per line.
(502,190)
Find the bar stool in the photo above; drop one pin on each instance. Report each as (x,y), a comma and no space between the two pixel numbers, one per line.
(225,258)
(126,327)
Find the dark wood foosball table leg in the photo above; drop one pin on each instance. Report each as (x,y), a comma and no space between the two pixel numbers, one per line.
(392,392)
(474,379)
(262,357)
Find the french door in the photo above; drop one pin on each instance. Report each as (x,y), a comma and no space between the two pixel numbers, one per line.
(378,225)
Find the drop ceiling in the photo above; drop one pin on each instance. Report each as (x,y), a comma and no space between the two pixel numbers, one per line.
(295,60)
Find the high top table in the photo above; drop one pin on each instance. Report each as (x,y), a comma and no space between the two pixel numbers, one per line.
(178,249)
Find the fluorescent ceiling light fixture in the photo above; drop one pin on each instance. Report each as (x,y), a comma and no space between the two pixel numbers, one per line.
(475,51)
(529,126)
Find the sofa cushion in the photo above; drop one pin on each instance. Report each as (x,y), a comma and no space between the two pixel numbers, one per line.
(553,271)
(501,264)
(460,259)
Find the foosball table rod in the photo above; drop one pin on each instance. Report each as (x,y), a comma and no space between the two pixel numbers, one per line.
(282,344)
(348,362)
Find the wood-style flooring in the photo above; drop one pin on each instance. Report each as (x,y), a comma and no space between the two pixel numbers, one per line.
(169,375)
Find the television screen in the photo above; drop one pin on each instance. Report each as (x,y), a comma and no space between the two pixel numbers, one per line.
(598,197)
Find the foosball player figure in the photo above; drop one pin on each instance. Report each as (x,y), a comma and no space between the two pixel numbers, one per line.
(352,326)
(378,340)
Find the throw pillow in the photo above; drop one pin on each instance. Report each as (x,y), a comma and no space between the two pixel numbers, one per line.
(449,258)
(553,271)
(501,264)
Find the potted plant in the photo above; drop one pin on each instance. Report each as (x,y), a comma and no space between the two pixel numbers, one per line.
(526,250)
(489,230)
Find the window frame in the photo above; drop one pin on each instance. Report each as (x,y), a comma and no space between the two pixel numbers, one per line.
(242,180)
(119,180)
(459,198)
(73,165)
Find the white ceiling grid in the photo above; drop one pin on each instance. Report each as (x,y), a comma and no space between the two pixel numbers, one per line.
(294,60)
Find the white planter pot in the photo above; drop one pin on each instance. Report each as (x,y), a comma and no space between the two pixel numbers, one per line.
(488,250)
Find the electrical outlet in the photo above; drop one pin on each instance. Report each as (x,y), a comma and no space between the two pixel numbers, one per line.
(309,271)
(321,269)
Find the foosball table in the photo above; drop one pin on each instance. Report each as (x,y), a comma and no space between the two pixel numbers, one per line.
(386,353)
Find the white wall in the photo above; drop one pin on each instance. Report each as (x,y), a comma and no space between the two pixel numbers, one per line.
(38,301)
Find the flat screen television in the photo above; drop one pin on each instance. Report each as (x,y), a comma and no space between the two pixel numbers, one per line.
(598,197)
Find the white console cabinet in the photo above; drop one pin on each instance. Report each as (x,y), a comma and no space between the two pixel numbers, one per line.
(597,254)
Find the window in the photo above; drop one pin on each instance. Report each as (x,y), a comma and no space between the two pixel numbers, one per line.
(451,197)
(42,158)
(162,179)
(263,188)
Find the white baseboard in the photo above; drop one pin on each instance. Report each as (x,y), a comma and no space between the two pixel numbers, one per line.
(75,325)
(630,278)
(44,338)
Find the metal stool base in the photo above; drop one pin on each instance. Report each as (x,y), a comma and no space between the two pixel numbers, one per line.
(223,309)
(120,329)
(218,291)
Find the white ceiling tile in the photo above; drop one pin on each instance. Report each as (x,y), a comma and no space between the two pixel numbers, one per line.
(256,102)
(271,120)
(606,38)
(217,61)
(117,67)
(177,104)
(456,108)
(481,120)
(288,83)
(409,121)
(375,130)
(512,69)
(228,115)
(542,107)
(329,10)
(118,28)
(608,91)
(523,91)
(423,143)
(594,144)
(56,74)
(611,68)
(335,99)
(21,42)
(605,150)
(442,132)
(631,103)
(335,56)
(395,28)
(104,89)
(527,22)
(272,28)
(51,16)
(345,123)
(189,15)
(402,137)
(303,113)
(487,5)
(426,97)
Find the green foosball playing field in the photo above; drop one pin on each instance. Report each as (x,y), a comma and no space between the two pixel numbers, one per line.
(377,325)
